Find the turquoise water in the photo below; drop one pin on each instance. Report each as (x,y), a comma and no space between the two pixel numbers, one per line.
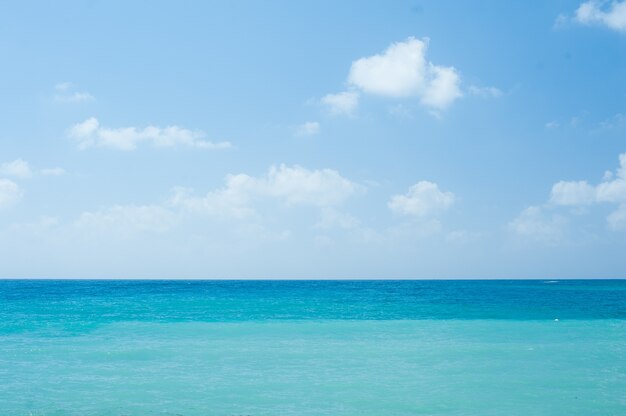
(312,348)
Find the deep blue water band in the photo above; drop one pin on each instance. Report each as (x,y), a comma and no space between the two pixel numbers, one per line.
(75,304)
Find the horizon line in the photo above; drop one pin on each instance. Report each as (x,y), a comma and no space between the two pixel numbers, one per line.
(265,279)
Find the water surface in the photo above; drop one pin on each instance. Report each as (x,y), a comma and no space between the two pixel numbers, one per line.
(312,348)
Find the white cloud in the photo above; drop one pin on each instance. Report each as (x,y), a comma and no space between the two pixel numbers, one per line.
(535,223)
(65,94)
(232,201)
(297,185)
(76,97)
(324,188)
(310,128)
(552,124)
(53,171)
(342,103)
(611,190)
(89,133)
(128,218)
(422,200)
(10,193)
(617,219)
(616,121)
(63,86)
(595,12)
(572,193)
(443,89)
(402,70)
(18,168)
(398,72)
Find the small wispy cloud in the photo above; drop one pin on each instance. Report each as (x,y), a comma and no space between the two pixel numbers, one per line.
(53,171)
(18,168)
(485,92)
(611,15)
(21,169)
(343,103)
(593,12)
(535,223)
(65,92)
(310,128)
(10,193)
(128,219)
(90,133)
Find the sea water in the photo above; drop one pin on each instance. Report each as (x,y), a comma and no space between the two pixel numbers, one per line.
(250,348)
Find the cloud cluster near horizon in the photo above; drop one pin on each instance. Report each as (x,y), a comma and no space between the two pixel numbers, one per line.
(19,169)
(255,206)
(612,190)
(290,185)
(548,222)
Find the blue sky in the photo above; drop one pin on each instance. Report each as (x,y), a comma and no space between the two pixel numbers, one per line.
(313,139)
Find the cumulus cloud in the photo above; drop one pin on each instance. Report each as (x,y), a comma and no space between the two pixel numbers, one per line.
(231,201)
(572,193)
(617,219)
(90,133)
(535,223)
(402,70)
(238,199)
(342,103)
(443,88)
(611,190)
(424,199)
(611,15)
(295,185)
(18,168)
(10,193)
(310,128)
(398,72)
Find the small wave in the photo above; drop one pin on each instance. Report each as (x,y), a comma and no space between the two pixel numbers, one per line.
(550,281)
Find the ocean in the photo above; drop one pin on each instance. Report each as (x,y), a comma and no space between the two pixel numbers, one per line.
(248,348)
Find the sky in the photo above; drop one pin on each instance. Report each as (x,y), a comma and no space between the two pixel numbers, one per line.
(305,140)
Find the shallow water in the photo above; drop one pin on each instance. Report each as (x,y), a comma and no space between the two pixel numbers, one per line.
(312,348)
